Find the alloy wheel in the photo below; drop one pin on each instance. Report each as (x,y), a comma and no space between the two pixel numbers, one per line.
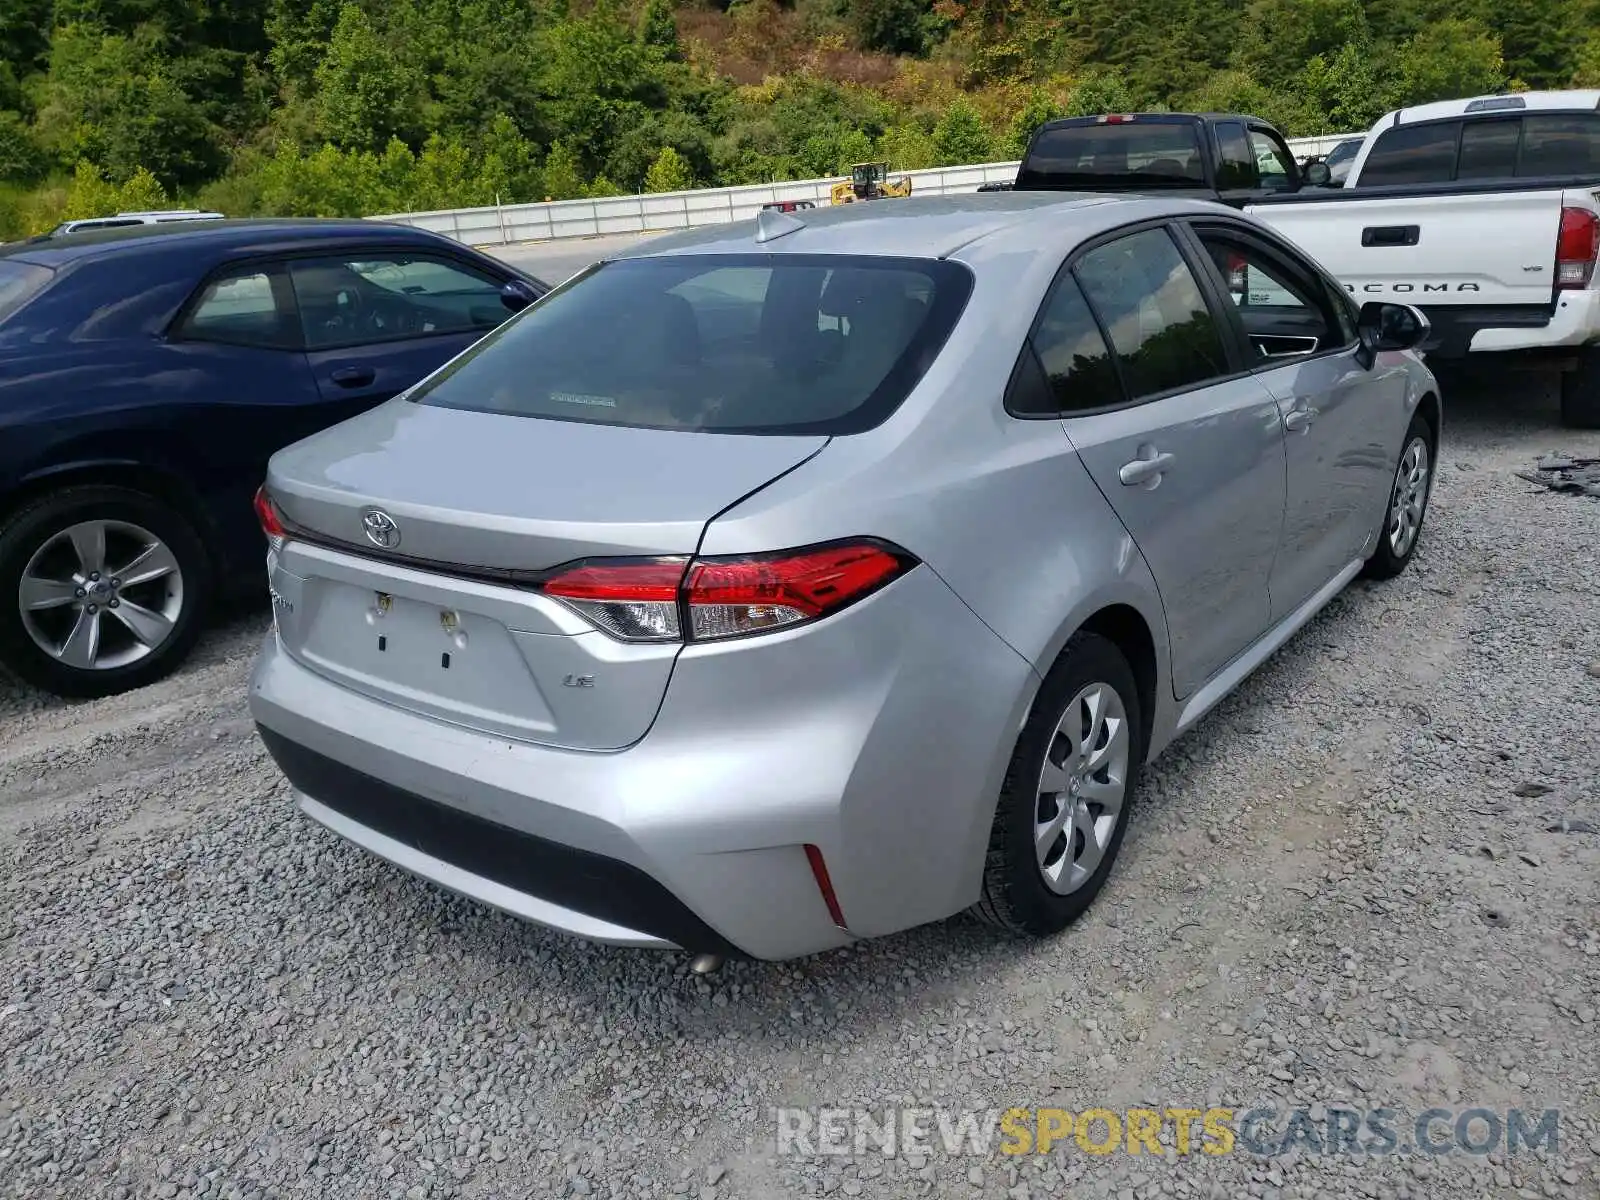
(101,594)
(1409,498)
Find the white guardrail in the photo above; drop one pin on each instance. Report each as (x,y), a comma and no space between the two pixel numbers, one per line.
(660,211)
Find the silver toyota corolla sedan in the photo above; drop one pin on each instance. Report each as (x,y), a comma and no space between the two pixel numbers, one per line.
(807,579)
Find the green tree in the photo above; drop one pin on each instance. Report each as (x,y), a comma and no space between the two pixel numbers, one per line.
(1041,107)
(89,194)
(142,192)
(1448,59)
(1282,35)
(892,26)
(563,173)
(114,101)
(1539,38)
(658,28)
(669,173)
(21,159)
(959,138)
(1099,92)
(365,93)
(1345,93)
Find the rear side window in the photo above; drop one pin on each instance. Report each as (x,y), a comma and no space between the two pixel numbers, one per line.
(1412,154)
(1155,313)
(1073,352)
(19,283)
(1560,144)
(250,306)
(1148,154)
(758,343)
(1489,149)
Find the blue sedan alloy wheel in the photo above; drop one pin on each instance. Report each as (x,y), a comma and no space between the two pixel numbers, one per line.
(106,590)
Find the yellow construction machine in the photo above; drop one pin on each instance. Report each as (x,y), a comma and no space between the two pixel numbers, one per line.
(870,181)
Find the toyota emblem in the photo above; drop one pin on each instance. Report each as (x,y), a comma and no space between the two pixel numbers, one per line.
(380,528)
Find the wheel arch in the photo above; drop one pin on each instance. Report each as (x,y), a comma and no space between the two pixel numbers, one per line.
(1136,626)
(160,482)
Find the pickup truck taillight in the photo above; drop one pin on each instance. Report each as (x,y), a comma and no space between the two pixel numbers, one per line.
(1576,247)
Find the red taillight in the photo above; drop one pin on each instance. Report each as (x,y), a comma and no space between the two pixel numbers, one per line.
(1577,246)
(633,599)
(1117,119)
(271,522)
(732,596)
(642,599)
(1238,273)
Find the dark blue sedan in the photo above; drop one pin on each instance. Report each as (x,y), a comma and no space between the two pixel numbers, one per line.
(146,376)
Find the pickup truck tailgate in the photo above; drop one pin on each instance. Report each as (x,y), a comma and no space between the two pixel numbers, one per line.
(1487,248)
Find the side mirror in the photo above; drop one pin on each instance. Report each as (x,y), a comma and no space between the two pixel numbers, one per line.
(1318,175)
(1386,326)
(517,294)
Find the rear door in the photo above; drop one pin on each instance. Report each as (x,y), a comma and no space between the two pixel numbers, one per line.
(1343,423)
(1185,445)
(378,321)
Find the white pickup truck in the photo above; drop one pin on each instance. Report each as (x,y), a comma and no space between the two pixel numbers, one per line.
(1484,213)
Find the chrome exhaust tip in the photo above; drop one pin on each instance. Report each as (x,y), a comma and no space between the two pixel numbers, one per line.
(706,964)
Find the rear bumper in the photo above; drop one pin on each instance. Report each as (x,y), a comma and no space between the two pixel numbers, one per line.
(1459,330)
(879,736)
(542,881)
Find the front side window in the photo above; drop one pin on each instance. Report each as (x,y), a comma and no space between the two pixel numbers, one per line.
(1284,308)
(1238,165)
(1412,154)
(353,301)
(1272,161)
(760,343)
(250,306)
(1155,313)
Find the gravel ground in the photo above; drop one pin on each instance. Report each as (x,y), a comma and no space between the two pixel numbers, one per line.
(1371,877)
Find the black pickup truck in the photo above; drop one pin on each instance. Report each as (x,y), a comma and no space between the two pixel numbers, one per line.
(1236,159)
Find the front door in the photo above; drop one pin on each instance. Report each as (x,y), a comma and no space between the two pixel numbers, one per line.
(1186,448)
(378,321)
(1342,422)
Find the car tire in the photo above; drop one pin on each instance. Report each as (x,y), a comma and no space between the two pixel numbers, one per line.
(1580,392)
(1019,893)
(82,637)
(1400,529)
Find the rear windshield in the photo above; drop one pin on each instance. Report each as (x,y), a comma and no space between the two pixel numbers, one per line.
(760,343)
(1150,155)
(19,281)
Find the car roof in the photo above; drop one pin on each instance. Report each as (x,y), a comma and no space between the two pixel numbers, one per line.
(264,234)
(1576,100)
(910,227)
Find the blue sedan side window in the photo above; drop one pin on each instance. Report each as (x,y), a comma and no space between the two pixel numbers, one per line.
(251,306)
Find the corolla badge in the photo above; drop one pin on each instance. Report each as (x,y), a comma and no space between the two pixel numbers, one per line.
(380,529)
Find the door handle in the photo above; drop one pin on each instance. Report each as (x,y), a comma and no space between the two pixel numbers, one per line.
(1145,469)
(1298,419)
(354,377)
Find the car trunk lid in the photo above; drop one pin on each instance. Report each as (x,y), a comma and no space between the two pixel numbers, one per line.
(431,608)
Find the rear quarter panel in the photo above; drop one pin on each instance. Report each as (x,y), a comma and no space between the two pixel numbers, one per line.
(999,507)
